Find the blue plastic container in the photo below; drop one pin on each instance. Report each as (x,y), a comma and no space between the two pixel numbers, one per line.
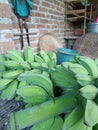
(64,55)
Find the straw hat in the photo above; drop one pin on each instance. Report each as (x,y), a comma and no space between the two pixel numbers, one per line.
(49,42)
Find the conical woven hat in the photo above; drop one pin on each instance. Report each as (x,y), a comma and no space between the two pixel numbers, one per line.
(49,42)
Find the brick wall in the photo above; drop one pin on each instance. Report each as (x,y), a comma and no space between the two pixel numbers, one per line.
(6,33)
(46,16)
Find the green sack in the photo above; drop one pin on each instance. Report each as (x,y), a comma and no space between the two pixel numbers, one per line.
(22,8)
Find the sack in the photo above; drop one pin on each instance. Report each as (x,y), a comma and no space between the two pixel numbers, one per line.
(22,8)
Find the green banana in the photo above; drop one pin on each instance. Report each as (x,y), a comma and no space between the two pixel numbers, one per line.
(33,94)
(10,64)
(30,116)
(12,74)
(89,64)
(89,91)
(53,59)
(44,55)
(63,78)
(73,117)
(22,83)
(84,80)
(38,59)
(28,54)
(43,66)
(38,79)
(55,123)
(15,55)
(35,65)
(4,83)
(79,125)
(75,68)
(91,113)
(34,100)
(52,56)
(30,90)
(51,64)
(9,92)
(25,65)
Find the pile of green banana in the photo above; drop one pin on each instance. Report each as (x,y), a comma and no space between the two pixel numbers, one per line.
(24,75)
(56,97)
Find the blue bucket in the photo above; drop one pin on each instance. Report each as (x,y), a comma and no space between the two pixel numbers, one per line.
(64,55)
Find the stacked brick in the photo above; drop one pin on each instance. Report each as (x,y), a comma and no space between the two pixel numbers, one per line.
(6,33)
(47,16)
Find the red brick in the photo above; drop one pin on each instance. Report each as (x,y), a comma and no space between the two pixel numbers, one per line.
(5,11)
(35,7)
(44,21)
(46,4)
(36,1)
(42,9)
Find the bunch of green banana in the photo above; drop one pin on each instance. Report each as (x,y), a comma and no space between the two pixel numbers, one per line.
(81,74)
(89,64)
(63,78)
(44,60)
(34,79)
(33,94)
(39,80)
(75,68)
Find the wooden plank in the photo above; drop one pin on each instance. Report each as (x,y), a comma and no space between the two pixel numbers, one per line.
(25,34)
(72,19)
(70,37)
(76,11)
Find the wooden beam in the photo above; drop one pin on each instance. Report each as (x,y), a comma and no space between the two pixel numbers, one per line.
(21,34)
(76,11)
